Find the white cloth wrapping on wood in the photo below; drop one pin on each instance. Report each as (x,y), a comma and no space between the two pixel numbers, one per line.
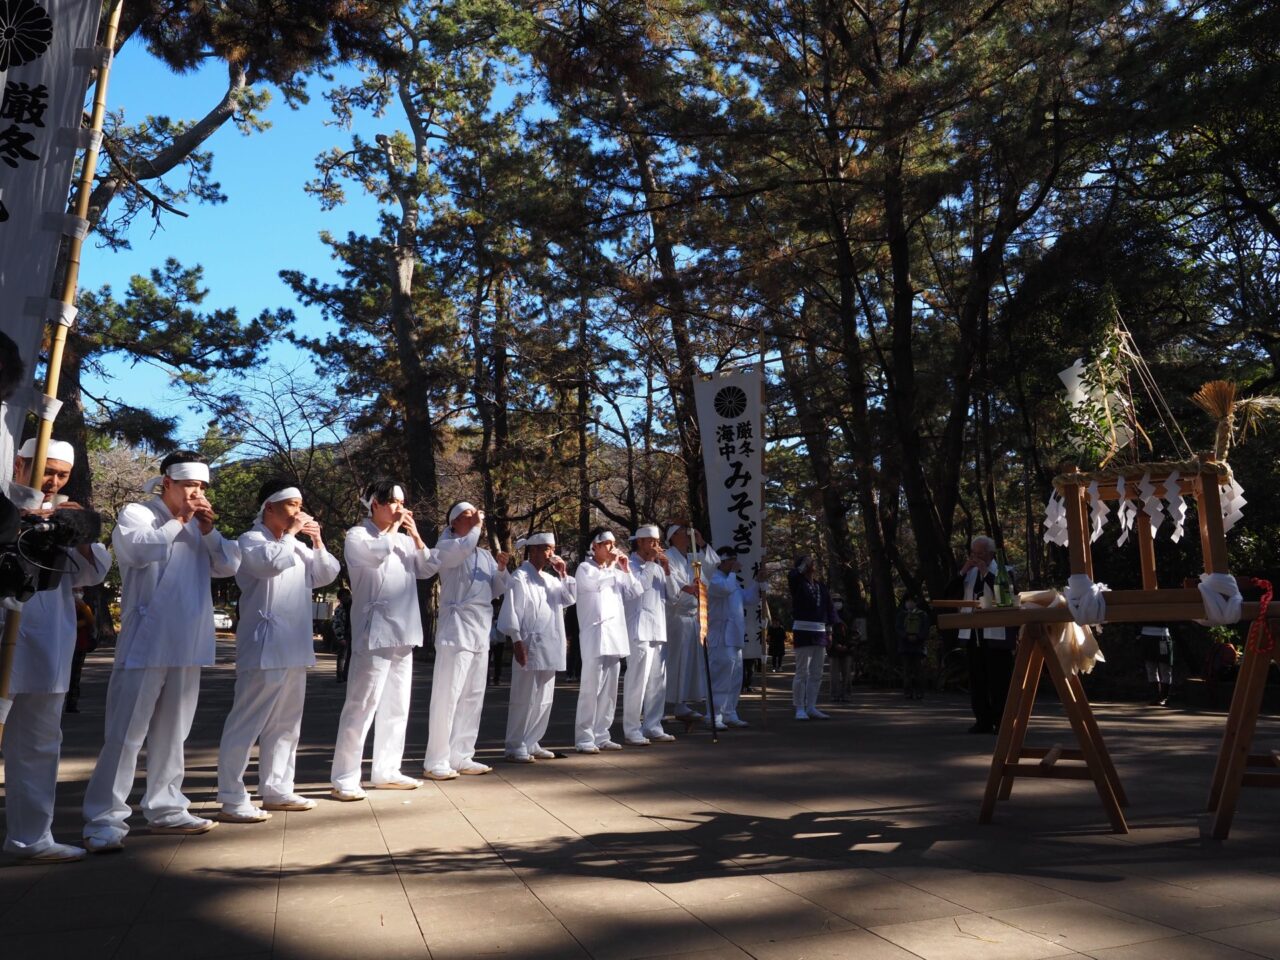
(1085,599)
(1222,600)
(1074,643)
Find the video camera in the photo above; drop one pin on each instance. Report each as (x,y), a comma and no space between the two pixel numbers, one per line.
(37,558)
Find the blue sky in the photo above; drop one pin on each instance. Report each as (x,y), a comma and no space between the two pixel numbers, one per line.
(267,224)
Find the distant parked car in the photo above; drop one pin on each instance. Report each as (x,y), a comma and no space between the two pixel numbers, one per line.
(222,620)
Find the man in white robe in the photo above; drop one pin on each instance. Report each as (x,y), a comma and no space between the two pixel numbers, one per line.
(726,634)
(532,616)
(603,580)
(386,557)
(168,549)
(686,664)
(470,580)
(274,648)
(644,690)
(41,672)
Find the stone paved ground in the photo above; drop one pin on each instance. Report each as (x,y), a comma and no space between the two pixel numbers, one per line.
(854,838)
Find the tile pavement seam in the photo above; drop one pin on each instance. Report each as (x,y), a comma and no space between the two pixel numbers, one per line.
(150,893)
(422,936)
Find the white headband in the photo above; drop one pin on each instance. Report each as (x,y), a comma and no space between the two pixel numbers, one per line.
(397,493)
(288,493)
(649,530)
(673,530)
(58,450)
(459,509)
(537,540)
(604,536)
(188,470)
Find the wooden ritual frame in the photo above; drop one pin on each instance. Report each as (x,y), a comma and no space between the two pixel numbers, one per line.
(1089,759)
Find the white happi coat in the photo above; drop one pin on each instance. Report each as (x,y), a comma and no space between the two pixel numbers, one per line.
(647,610)
(533,614)
(385,569)
(726,613)
(602,617)
(47,628)
(166,615)
(276,578)
(469,583)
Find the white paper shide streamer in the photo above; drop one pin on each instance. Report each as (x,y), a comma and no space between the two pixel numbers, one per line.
(1055,520)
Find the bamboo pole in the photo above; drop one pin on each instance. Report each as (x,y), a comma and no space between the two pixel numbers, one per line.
(58,344)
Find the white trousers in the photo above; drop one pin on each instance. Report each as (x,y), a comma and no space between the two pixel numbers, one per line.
(378,688)
(529,710)
(154,705)
(597,699)
(686,669)
(457,699)
(808,681)
(32,743)
(726,681)
(644,690)
(267,710)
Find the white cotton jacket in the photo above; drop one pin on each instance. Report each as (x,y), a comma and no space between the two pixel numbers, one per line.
(533,614)
(647,611)
(602,617)
(726,609)
(47,629)
(685,605)
(166,609)
(469,583)
(276,578)
(385,569)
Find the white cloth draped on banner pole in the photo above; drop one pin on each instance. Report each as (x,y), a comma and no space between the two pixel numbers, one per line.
(46,58)
(731,424)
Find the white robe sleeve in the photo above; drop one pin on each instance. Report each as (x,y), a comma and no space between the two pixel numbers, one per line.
(90,573)
(450,552)
(138,541)
(263,559)
(322,567)
(502,582)
(224,554)
(563,593)
(509,615)
(362,549)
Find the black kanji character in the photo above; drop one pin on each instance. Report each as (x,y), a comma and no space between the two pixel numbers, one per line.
(744,430)
(13,145)
(745,448)
(727,450)
(724,433)
(24,103)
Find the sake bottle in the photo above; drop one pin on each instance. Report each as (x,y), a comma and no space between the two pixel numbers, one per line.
(1004,586)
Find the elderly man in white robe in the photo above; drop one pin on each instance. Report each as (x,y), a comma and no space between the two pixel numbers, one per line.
(532,616)
(470,580)
(46,645)
(604,581)
(644,690)
(686,665)
(274,648)
(386,557)
(168,549)
(726,634)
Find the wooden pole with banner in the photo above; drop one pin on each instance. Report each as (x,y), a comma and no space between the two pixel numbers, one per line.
(702,640)
(58,339)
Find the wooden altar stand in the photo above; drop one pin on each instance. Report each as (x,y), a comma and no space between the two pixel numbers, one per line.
(1089,758)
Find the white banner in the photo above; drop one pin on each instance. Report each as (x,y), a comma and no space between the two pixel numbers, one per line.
(731,424)
(45,58)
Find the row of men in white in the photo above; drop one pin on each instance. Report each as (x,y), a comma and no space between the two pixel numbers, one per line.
(168,549)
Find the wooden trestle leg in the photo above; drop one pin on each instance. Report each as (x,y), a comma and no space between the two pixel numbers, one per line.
(1231,772)
(1036,653)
